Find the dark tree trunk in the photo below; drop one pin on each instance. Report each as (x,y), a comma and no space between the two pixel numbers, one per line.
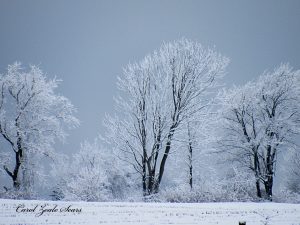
(15,174)
(162,165)
(190,158)
(165,156)
(257,173)
(18,156)
(144,177)
(190,165)
(269,187)
(258,191)
(191,176)
(16,181)
(269,172)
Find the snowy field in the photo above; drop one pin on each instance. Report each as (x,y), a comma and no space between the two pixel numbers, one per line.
(146,213)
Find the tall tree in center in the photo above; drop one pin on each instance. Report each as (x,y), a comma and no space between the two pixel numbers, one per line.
(159,95)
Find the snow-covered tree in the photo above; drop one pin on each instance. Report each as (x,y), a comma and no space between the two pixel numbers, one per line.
(260,119)
(159,95)
(240,129)
(279,113)
(32,118)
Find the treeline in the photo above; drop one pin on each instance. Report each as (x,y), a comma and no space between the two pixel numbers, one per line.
(177,133)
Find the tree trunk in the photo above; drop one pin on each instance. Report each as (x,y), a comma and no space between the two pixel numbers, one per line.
(151,182)
(258,191)
(144,177)
(190,156)
(269,172)
(162,164)
(191,176)
(15,174)
(190,164)
(15,177)
(257,173)
(269,187)
(165,156)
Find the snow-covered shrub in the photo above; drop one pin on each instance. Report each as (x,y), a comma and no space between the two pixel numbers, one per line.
(237,185)
(92,174)
(287,196)
(18,194)
(185,194)
(293,171)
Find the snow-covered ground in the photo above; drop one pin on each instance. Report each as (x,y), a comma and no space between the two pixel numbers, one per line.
(147,213)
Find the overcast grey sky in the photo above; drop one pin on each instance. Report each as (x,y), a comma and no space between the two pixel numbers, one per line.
(86,43)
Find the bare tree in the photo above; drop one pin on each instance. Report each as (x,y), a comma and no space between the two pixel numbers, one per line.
(32,116)
(159,95)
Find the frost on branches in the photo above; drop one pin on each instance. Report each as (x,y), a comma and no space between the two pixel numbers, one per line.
(260,120)
(32,118)
(159,96)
